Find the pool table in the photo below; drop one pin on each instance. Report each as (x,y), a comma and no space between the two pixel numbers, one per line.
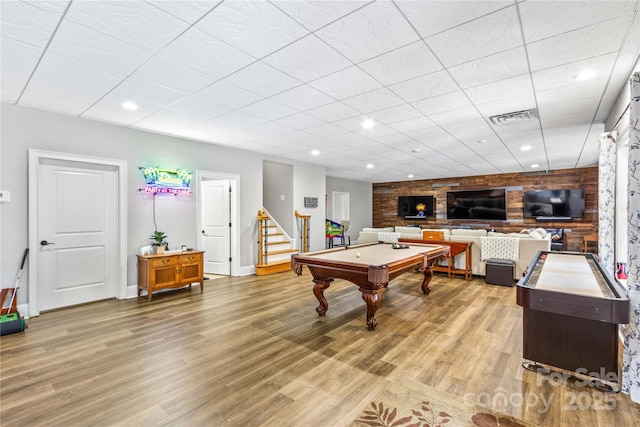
(571,311)
(368,266)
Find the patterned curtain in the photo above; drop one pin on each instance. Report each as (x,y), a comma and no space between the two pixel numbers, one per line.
(631,360)
(606,200)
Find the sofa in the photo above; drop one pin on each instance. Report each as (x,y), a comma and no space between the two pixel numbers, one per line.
(529,243)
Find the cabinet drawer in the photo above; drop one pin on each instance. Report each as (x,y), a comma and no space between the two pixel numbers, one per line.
(163,262)
(189,258)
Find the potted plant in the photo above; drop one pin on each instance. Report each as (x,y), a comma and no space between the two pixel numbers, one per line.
(159,243)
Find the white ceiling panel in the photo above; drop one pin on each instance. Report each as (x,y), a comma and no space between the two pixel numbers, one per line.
(402,64)
(255,27)
(138,23)
(346,83)
(283,77)
(427,86)
(484,36)
(370,31)
(307,59)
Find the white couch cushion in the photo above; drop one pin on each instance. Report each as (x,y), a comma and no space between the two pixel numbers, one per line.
(465,232)
(377,230)
(387,237)
(408,230)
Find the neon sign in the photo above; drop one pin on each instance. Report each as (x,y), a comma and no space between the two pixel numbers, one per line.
(170,181)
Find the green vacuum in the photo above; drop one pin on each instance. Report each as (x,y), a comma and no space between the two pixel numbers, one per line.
(12,322)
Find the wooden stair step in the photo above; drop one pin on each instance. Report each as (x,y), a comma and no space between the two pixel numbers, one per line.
(283,251)
(283,242)
(273,267)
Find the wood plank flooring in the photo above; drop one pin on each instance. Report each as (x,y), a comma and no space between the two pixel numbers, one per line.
(252,351)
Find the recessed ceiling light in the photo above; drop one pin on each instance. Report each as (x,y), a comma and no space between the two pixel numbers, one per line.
(525,148)
(369,166)
(585,75)
(368,124)
(315,152)
(535,165)
(129,105)
(410,175)
(415,150)
(482,141)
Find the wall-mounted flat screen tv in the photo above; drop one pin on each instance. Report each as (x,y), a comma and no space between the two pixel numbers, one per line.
(554,203)
(415,207)
(477,204)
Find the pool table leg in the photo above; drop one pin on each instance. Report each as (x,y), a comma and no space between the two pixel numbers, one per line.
(428,274)
(318,290)
(373,299)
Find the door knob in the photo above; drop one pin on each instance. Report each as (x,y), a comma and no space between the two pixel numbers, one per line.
(45,243)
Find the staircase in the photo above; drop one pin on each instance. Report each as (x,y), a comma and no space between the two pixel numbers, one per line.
(274,246)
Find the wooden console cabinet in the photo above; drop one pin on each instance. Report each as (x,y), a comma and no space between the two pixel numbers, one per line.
(170,270)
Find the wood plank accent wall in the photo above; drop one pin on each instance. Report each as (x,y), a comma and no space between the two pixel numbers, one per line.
(385,201)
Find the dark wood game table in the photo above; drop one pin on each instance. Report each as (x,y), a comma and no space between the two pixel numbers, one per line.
(571,311)
(370,267)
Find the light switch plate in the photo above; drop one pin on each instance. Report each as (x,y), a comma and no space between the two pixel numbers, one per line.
(5,196)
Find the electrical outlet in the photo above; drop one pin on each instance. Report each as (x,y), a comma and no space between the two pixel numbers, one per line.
(282,197)
(5,196)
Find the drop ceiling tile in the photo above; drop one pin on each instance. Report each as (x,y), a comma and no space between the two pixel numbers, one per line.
(370,31)
(307,59)
(455,116)
(402,64)
(142,92)
(272,128)
(228,95)
(325,130)
(428,86)
(16,64)
(135,22)
(490,34)
(399,113)
(395,139)
(300,121)
(200,107)
(210,56)
(373,101)
(256,27)
(502,89)
(583,90)
(168,121)
(577,45)
(239,119)
(347,138)
(499,66)
(346,83)
(376,131)
(429,135)
(268,110)
(432,17)
(333,112)
(443,103)
(188,11)
(564,75)
(508,105)
(262,79)
(196,135)
(57,7)
(27,23)
(89,46)
(303,98)
(541,20)
(412,124)
(587,105)
(216,128)
(62,98)
(316,14)
(472,131)
(298,136)
(164,71)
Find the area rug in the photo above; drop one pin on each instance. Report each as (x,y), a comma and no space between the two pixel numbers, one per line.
(407,403)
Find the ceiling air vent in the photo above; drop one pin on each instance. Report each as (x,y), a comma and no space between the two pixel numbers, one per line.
(516,116)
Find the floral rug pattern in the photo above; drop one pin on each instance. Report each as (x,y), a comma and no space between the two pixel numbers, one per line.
(410,404)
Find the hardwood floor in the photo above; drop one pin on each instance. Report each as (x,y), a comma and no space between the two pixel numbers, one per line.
(252,351)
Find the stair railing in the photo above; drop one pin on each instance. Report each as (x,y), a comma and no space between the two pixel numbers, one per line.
(263,220)
(303,226)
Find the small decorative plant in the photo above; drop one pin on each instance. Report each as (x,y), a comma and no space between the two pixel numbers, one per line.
(158,240)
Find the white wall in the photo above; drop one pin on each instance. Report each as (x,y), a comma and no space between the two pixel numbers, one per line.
(309,181)
(360,202)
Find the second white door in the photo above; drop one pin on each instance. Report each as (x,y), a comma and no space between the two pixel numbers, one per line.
(216,226)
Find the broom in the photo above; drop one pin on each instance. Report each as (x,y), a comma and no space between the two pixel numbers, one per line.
(11,323)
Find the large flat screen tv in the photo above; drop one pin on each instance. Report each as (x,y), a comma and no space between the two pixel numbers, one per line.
(477,204)
(415,207)
(554,203)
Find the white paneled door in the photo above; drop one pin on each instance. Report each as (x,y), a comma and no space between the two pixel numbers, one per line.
(216,229)
(77,233)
